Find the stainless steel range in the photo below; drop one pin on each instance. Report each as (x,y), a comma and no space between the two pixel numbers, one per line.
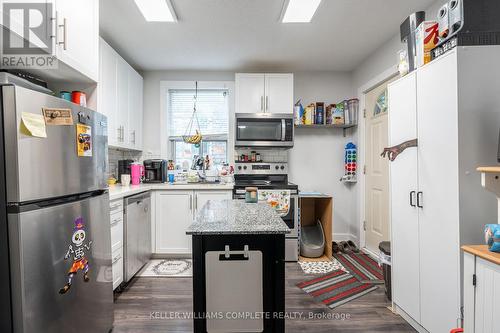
(271,176)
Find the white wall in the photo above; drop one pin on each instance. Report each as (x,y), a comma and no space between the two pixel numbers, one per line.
(317,160)
(152,132)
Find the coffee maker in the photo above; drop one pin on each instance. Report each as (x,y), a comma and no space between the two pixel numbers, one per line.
(155,171)
(124,168)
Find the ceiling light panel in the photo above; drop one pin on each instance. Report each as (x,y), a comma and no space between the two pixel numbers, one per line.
(299,11)
(157,10)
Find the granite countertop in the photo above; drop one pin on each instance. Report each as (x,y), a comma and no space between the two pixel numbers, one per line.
(233,217)
(117,191)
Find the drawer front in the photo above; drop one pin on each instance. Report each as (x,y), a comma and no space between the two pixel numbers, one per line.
(116,231)
(117,265)
(116,206)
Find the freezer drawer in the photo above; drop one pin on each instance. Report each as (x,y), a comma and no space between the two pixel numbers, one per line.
(47,247)
(234,285)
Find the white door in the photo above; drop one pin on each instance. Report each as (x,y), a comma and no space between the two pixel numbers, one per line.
(437,120)
(135,88)
(377,169)
(402,97)
(279,93)
(201,197)
(174,214)
(250,95)
(487,297)
(108,99)
(123,69)
(78,35)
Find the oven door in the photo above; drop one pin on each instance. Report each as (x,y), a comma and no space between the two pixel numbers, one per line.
(291,219)
(264,130)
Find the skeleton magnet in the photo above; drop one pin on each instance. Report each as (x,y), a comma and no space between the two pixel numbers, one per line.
(77,249)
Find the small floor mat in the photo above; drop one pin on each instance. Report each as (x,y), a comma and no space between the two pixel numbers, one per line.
(320,267)
(336,288)
(364,268)
(167,268)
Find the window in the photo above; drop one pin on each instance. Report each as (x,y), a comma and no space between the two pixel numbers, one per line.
(213,115)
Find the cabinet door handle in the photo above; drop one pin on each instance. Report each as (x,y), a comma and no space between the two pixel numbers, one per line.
(133,141)
(115,260)
(420,195)
(261,103)
(115,221)
(65,34)
(190,202)
(196,202)
(267,103)
(412,194)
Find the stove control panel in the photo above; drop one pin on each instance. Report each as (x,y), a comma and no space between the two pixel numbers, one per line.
(278,168)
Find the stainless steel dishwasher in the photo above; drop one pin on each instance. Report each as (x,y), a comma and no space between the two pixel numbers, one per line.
(136,234)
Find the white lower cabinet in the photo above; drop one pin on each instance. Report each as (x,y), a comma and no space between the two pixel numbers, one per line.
(116,224)
(201,197)
(481,295)
(175,211)
(117,267)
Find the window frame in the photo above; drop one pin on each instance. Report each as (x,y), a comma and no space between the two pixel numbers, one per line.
(168,143)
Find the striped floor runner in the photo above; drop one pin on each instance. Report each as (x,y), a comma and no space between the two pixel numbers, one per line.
(360,265)
(336,288)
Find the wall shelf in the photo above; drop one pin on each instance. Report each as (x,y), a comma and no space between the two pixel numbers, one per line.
(343,126)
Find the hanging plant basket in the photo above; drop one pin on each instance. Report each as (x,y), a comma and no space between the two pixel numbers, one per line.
(193,131)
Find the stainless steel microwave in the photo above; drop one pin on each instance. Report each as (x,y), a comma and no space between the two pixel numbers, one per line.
(264,130)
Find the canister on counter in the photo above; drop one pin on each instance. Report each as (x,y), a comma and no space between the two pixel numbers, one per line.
(79,97)
(257,157)
(251,195)
(253,156)
(66,95)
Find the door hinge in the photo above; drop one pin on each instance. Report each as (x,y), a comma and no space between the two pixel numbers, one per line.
(364,225)
(364,113)
(364,169)
(474,280)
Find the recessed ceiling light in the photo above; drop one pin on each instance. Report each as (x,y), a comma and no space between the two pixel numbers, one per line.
(299,11)
(157,10)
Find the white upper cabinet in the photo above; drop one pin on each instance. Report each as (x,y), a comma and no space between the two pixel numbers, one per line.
(279,93)
(135,91)
(250,93)
(120,99)
(256,93)
(77,35)
(122,119)
(108,92)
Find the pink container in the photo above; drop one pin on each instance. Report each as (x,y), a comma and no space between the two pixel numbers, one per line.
(136,173)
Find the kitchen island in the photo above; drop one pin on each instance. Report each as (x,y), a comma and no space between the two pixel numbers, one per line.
(238,268)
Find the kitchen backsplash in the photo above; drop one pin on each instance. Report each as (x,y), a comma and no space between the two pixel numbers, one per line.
(266,155)
(114,155)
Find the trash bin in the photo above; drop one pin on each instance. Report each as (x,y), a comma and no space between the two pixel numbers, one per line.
(385,261)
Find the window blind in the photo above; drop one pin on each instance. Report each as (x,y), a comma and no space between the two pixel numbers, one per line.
(212,110)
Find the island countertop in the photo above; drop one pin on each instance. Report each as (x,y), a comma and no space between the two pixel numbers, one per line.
(235,217)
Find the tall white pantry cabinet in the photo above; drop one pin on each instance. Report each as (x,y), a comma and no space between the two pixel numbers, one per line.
(452,106)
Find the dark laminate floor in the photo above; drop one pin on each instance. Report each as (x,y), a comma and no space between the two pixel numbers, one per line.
(134,307)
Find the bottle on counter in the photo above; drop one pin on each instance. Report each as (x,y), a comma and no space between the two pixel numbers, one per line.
(253,156)
(257,157)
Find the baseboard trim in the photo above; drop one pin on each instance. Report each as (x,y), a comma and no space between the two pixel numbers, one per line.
(170,256)
(345,237)
(409,319)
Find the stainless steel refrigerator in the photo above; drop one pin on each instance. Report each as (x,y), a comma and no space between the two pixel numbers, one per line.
(55,251)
